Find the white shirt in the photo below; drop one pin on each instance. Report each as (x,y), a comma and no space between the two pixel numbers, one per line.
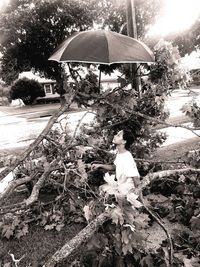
(125,165)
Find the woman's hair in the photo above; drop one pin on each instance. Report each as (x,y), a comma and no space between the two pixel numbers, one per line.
(128,137)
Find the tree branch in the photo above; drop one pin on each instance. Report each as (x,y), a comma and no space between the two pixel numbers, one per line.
(82,237)
(12,185)
(171,250)
(36,189)
(131,112)
(33,145)
(146,180)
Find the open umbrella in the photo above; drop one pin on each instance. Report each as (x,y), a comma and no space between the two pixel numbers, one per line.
(102,47)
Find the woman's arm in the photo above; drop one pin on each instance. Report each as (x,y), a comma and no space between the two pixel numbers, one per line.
(107,167)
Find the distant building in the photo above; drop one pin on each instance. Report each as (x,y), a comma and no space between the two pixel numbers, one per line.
(48,84)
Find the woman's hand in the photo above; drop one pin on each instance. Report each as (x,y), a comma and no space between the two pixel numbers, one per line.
(95,166)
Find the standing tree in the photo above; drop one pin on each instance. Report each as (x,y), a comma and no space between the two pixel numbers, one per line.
(30,31)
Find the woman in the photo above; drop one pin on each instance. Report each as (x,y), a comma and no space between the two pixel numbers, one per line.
(124,164)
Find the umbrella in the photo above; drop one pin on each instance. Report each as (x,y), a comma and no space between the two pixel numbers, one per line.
(102,47)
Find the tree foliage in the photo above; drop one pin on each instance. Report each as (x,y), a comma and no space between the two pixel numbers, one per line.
(26,89)
(31,31)
(188,40)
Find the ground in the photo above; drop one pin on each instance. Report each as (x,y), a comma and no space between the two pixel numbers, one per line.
(38,244)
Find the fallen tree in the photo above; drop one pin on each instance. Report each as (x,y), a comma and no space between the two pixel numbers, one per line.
(72,246)
(58,163)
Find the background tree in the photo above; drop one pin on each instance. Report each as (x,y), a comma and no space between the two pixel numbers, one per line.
(30,31)
(189,40)
(26,89)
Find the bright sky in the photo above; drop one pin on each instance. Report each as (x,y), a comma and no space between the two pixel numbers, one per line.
(177,15)
(3,3)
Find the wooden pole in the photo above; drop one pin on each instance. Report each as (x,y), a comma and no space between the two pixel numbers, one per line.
(132,32)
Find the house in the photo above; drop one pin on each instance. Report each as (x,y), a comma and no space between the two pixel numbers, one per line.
(48,84)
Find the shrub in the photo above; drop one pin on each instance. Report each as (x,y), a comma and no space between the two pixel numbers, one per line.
(4,95)
(26,89)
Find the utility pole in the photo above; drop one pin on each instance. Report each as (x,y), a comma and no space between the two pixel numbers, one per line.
(132,32)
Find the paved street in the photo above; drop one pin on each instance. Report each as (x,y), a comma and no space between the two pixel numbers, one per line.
(174,105)
(19,126)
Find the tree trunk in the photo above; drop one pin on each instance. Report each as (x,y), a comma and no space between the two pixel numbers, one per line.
(74,244)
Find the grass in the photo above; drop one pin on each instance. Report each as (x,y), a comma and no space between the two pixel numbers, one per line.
(176,152)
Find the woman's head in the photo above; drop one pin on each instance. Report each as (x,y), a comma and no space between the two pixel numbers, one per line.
(123,137)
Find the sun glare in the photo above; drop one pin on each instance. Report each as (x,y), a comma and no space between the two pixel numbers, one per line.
(177,15)
(3,3)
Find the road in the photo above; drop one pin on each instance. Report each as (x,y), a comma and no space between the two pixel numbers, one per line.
(19,126)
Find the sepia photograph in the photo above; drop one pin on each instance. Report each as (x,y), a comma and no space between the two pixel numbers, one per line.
(99,133)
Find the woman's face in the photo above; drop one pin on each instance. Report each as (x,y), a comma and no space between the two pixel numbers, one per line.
(118,138)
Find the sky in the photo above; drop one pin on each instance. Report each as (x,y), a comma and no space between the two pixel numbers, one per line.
(3,3)
(176,15)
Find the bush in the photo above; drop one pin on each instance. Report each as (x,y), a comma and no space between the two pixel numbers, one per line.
(26,89)
(4,95)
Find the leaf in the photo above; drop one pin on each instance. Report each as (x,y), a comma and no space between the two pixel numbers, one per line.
(16,221)
(56,217)
(142,220)
(81,169)
(187,263)
(181,178)
(125,238)
(117,216)
(195,223)
(7,264)
(132,198)
(7,231)
(46,165)
(72,205)
(111,187)
(147,261)
(59,227)
(193,262)
(45,216)
(50,226)
(127,248)
(22,232)
(87,212)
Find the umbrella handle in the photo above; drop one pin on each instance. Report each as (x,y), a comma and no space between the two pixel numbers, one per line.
(99,78)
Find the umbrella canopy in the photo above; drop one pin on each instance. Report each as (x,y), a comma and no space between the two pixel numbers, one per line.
(102,47)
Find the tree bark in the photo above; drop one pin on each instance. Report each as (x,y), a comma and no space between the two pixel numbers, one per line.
(152,176)
(82,237)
